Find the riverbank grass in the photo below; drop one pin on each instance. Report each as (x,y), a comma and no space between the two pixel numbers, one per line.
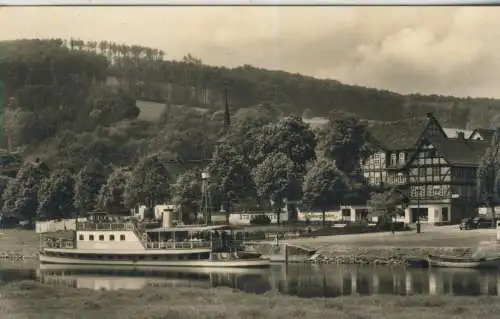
(24,243)
(28,299)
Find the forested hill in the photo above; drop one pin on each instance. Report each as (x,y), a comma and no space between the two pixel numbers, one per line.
(59,104)
(146,75)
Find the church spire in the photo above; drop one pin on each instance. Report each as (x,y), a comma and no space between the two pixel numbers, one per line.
(227,115)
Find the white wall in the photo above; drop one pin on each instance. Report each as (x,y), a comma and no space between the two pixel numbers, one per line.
(131,241)
(434,213)
(486,211)
(53,225)
(158,210)
(244,218)
(330,216)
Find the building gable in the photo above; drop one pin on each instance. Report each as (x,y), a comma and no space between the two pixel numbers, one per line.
(455,152)
(482,134)
(404,134)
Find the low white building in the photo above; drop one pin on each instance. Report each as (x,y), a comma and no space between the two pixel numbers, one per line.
(486,211)
(158,210)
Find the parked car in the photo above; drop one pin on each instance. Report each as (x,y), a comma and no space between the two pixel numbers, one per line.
(482,222)
(475,223)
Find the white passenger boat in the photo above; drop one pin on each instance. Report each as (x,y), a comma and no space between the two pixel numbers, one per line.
(96,242)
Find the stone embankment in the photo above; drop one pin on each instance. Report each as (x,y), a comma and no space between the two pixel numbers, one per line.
(390,256)
(337,254)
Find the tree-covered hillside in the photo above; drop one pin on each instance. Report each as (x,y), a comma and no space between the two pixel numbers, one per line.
(78,139)
(58,102)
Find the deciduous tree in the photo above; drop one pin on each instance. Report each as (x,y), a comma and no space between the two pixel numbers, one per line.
(344,141)
(231,175)
(149,183)
(385,205)
(186,192)
(488,175)
(324,186)
(88,182)
(20,198)
(56,194)
(111,195)
(276,179)
(289,136)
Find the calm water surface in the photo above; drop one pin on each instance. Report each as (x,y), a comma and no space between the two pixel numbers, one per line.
(299,280)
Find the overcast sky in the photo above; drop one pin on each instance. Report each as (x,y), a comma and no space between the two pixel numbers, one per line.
(407,49)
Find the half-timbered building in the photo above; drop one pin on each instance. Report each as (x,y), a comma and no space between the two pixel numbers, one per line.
(393,143)
(442,179)
(436,174)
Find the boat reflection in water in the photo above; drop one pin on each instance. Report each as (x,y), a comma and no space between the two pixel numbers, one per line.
(114,278)
(300,280)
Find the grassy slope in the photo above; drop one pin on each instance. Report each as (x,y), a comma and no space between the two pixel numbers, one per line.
(33,300)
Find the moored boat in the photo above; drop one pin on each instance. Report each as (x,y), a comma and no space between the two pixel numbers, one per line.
(463,262)
(415,262)
(97,242)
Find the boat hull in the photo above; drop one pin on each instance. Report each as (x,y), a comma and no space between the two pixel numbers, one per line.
(206,263)
(160,269)
(417,263)
(462,262)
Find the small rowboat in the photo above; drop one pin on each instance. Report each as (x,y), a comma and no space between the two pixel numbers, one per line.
(463,262)
(415,262)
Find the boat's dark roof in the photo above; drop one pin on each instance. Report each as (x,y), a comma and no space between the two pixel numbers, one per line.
(193,228)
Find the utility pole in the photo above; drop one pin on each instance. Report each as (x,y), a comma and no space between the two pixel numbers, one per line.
(418,212)
(205,198)
(418,193)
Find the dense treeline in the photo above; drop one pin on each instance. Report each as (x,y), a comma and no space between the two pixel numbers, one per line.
(262,162)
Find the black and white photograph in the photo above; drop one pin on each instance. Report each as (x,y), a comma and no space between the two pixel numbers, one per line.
(246,162)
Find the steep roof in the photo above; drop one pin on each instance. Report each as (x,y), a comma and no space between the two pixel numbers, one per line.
(454,132)
(487,134)
(398,135)
(460,152)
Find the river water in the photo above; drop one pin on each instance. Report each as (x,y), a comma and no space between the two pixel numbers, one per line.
(301,280)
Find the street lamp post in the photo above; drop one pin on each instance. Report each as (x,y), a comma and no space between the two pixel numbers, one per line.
(205,198)
(418,212)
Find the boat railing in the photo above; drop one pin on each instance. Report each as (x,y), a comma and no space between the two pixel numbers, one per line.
(59,243)
(179,245)
(93,226)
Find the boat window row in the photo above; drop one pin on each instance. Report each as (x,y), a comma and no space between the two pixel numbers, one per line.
(120,257)
(101,237)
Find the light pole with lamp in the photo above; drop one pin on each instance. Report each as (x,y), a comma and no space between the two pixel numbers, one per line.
(205,198)
(453,196)
(419,229)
